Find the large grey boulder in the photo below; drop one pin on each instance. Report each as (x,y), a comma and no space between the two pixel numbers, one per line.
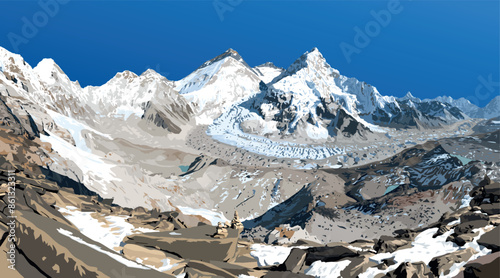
(193,243)
(441,265)
(491,240)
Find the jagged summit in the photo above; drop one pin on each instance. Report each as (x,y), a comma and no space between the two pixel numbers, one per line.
(150,73)
(311,60)
(228,53)
(47,69)
(269,65)
(125,75)
(409,96)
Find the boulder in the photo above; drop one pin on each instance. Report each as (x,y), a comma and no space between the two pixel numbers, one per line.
(295,261)
(491,208)
(410,270)
(164,226)
(89,207)
(192,243)
(482,267)
(357,266)
(328,254)
(448,217)
(203,269)
(442,230)
(462,239)
(138,211)
(441,265)
(495,219)
(467,227)
(492,190)
(389,244)
(491,240)
(472,216)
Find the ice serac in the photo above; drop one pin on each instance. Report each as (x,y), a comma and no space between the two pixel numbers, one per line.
(218,84)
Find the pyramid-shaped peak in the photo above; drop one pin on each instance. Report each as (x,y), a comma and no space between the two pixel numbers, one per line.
(313,53)
(310,59)
(151,73)
(230,53)
(315,49)
(409,96)
(124,75)
(47,64)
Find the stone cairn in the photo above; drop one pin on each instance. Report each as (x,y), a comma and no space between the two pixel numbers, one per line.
(236,223)
(221,229)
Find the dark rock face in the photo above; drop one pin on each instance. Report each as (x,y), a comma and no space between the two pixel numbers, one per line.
(467,227)
(491,240)
(472,216)
(483,267)
(24,126)
(491,208)
(487,196)
(192,243)
(328,254)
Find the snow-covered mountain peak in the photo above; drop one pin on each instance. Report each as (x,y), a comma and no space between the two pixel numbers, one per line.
(410,97)
(230,53)
(311,79)
(8,57)
(312,60)
(269,65)
(151,72)
(150,76)
(50,73)
(268,71)
(124,75)
(16,69)
(218,84)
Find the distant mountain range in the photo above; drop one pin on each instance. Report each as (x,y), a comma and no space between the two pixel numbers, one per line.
(307,98)
(265,110)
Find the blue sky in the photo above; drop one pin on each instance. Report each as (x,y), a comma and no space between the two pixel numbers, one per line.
(428,48)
